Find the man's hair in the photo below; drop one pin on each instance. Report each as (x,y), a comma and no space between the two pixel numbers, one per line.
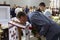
(42,4)
(21,14)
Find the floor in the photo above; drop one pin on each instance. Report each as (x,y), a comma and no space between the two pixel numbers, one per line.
(33,38)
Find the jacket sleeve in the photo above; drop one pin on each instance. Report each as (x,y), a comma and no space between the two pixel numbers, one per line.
(42,26)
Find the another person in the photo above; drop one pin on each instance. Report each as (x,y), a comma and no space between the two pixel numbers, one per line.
(43,25)
(31,9)
(26,9)
(16,24)
(34,8)
(48,12)
(12,11)
(18,9)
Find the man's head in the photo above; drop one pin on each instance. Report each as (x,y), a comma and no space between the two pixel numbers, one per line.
(42,6)
(22,17)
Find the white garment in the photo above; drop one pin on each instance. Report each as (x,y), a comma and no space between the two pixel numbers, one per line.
(48,13)
(18,10)
(13,30)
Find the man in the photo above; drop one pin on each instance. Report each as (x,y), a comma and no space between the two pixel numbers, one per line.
(16,24)
(44,25)
(26,9)
(12,12)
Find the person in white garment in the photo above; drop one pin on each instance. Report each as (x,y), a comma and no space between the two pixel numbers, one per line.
(18,23)
(18,10)
(48,12)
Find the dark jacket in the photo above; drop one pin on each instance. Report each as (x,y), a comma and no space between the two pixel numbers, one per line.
(26,10)
(12,12)
(44,25)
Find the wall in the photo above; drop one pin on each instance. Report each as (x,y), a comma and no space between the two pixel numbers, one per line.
(26,2)
(29,2)
(7,1)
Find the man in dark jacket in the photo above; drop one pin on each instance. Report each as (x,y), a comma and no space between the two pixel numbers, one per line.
(12,11)
(44,25)
(26,9)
